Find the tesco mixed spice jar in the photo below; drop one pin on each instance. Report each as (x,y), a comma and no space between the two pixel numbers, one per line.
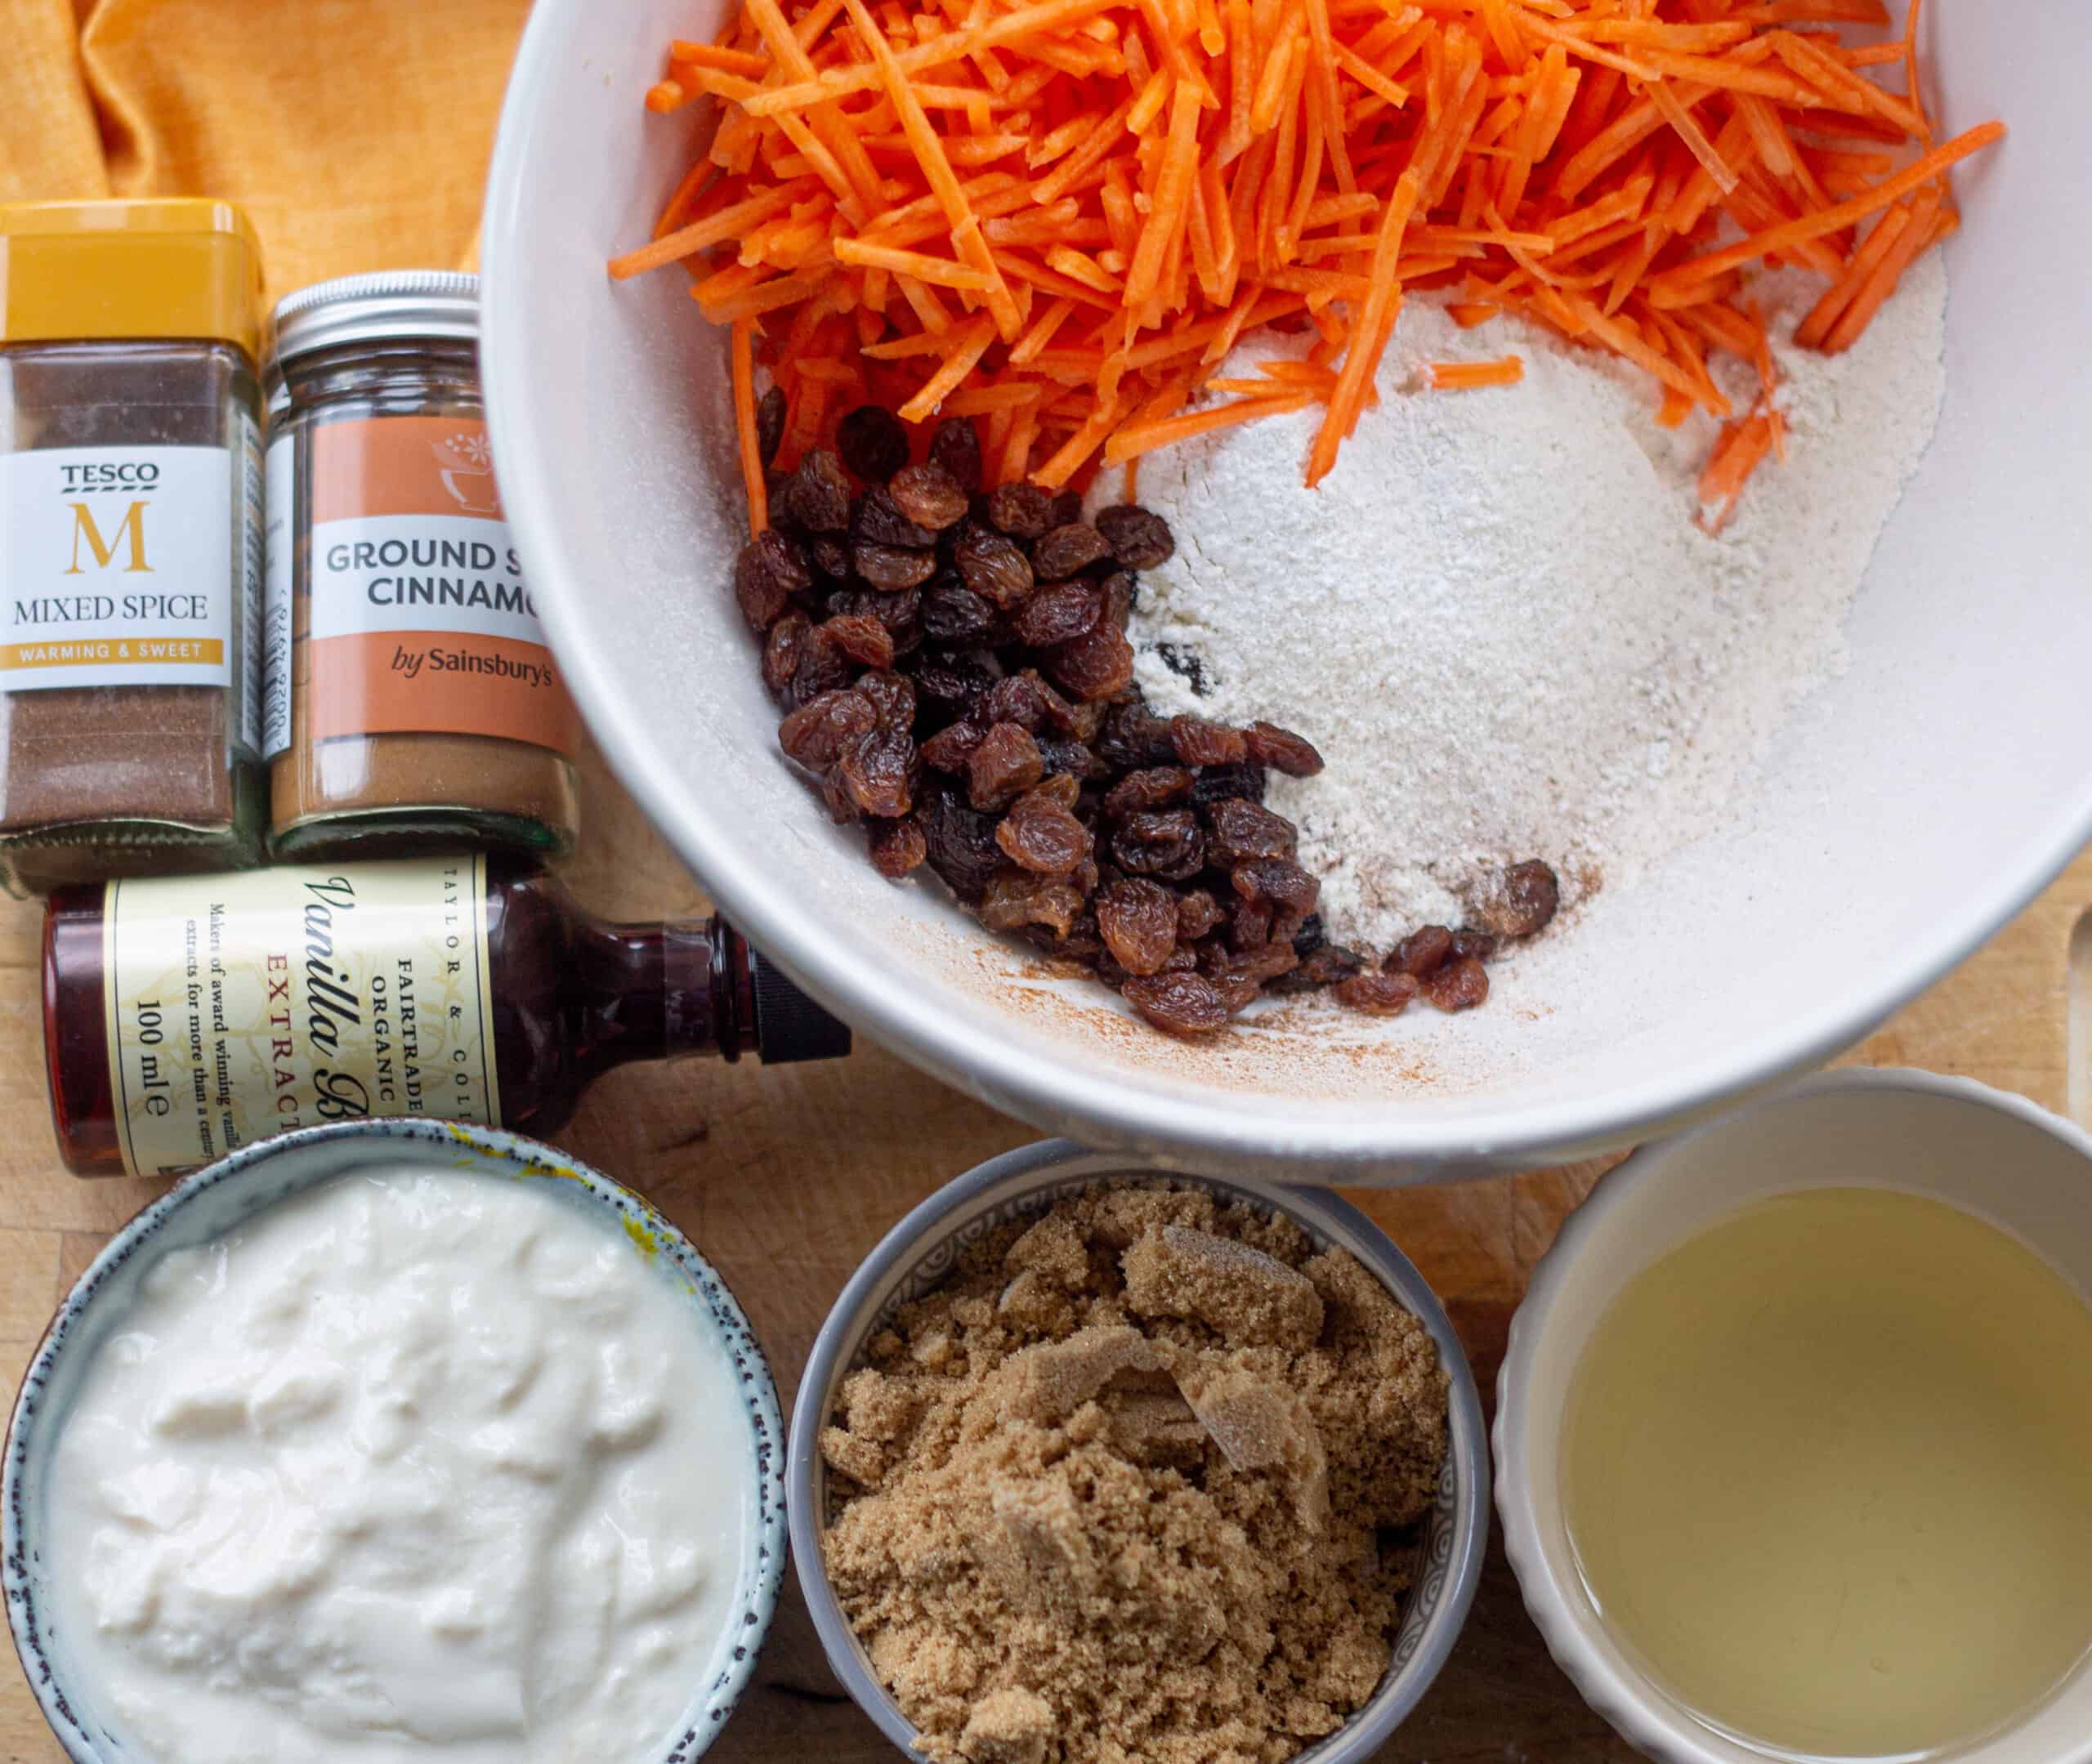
(411,704)
(130,550)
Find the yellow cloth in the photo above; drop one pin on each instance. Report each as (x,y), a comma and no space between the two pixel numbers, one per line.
(354,132)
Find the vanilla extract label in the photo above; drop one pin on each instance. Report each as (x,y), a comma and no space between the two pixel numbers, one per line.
(236,1006)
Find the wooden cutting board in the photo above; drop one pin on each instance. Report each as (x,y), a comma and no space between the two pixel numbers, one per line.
(786,1178)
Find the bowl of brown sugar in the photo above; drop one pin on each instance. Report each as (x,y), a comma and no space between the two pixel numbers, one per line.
(1092,1462)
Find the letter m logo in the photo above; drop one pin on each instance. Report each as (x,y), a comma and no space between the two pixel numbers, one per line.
(131,527)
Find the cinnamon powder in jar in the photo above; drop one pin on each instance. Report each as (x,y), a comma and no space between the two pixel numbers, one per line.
(412,704)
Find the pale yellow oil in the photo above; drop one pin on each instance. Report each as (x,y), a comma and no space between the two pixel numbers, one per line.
(1827,1471)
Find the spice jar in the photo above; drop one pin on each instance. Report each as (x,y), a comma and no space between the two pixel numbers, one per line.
(186,1017)
(412,704)
(130,540)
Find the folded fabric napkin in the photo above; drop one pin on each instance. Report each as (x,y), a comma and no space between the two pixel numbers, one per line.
(354,132)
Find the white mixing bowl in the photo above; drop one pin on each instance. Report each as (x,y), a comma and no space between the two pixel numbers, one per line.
(1911,807)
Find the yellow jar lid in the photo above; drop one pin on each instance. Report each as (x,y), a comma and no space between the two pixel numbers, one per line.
(186,267)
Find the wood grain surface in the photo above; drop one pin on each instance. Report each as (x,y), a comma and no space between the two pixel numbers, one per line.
(786,1178)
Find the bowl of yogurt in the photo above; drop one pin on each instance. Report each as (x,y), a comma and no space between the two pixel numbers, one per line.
(394,1441)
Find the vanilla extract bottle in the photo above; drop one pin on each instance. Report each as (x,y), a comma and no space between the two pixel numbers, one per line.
(185,1017)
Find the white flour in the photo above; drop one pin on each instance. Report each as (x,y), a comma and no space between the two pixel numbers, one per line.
(1496,617)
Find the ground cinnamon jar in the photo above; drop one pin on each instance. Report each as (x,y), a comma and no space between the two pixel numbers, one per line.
(412,704)
(130,540)
(188,1016)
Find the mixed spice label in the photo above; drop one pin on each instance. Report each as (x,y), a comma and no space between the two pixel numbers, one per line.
(118,566)
(241,1006)
(419,619)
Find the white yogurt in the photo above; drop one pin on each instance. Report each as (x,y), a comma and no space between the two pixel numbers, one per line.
(415,1466)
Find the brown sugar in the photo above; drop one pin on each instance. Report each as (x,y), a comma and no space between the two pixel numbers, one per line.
(1140,1480)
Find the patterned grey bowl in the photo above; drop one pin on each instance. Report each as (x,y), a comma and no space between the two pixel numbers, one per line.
(920,1251)
(215,1200)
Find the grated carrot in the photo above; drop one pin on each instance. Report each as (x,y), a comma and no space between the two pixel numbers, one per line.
(1468,376)
(1059,217)
(750,449)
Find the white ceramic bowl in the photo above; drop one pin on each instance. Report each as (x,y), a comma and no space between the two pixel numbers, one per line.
(920,1251)
(1914,804)
(213,1201)
(1990,1154)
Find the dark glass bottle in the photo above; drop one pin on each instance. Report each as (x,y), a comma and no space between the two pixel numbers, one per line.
(470,989)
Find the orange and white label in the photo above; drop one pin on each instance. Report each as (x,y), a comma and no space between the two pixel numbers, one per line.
(118,566)
(420,620)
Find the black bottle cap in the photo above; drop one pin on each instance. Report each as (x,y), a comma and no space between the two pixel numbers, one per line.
(789,1025)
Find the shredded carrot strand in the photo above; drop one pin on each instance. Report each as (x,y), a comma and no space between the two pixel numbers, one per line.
(1468,376)
(751,452)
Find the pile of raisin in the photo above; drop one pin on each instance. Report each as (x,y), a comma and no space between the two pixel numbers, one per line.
(955,672)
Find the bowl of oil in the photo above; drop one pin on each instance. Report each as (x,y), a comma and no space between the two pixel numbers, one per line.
(1793,1433)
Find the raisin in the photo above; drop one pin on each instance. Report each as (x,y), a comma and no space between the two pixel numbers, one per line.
(1138,920)
(1309,938)
(898,848)
(957,679)
(1378,994)
(1158,844)
(928,495)
(873,442)
(1282,750)
(1074,759)
(892,697)
(956,446)
(1242,830)
(952,613)
(816,734)
(1459,985)
(865,640)
(823,667)
(949,749)
(1067,507)
(1271,961)
(1005,764)
(1121,595)
(1326,967)
(817,495)
(1040,834)
(831,557)
(1086,722)
(1067,551)
(993,567)
(1015,898)
(879,771)
(1423,953)
(770,425)
(1139,540)
(890,568)
(835,798)
(1198,913)
(1287,887)
(1058,612)
(879,520)
(1057,787)
(1184,1004)
(782,649)
(1154,787)
(769,570)
(1523,902)
(1022,510)
(1200,743)
(1222,783)
(898,612)
(959,844)
(1098,664)
(1133,738)
(1479,944)
(1017,699)
(1249,927)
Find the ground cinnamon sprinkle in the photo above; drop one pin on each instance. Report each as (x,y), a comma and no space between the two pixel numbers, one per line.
(1136,1482)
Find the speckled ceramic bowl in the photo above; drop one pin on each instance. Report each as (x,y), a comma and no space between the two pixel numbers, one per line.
(214,1201)
(920,1251)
